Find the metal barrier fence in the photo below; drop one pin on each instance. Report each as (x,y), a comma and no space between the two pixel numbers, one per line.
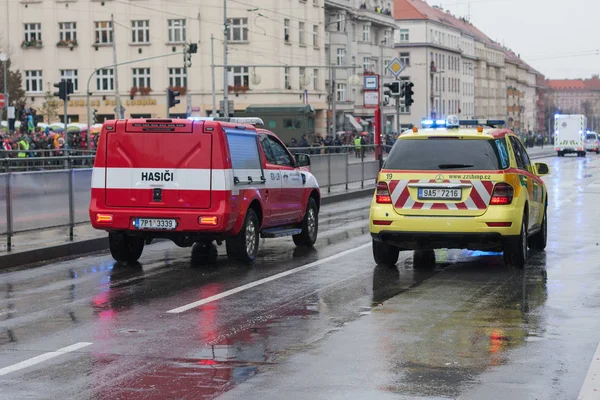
(52,198)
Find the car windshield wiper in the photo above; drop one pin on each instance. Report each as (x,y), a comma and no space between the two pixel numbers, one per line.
(452,166)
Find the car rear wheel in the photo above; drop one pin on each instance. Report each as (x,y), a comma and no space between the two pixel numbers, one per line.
(539,240)
(310,225)
(559,153)
(385,254)
(125,249)
(244,246)
(515,249)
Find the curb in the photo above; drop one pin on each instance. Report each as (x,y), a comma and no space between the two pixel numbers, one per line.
(77,248)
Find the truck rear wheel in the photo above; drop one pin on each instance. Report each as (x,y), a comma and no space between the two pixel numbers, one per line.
(244,246)
(125,249)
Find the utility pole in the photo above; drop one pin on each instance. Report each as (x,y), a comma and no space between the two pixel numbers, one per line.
(333,96)
(188,95)
(212,70)
(398,100)
(114,46)
(167,102)
(4,59)
(225,72)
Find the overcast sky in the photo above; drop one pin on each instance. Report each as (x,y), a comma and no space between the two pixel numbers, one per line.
(558,38)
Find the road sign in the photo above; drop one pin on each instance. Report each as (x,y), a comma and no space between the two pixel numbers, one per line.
(121,113)
(229,105)
(371,99)
(2,101)
(395,67)
(3,57)
(371,82)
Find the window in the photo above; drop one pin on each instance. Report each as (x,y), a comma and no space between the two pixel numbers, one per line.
(315,79)
(404,35)
(67,31)
(341,92)
(239,76)
(341,54)
(177,30)
(237,29)
(366,32)
(140,31)
(286,30)
(428,155)
(340,22)
(387,37)
(275,152)
(366,63)
(301,77)
(105,80)
(70,75)
(104,33)
(177,77)
(141,77)
(286,78)
(520,154)
(387,72)
(405,58)
(301,32)
(315,36)
(33,32)
(33,81)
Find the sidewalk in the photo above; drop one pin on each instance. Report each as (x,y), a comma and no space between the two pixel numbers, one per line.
(50,244)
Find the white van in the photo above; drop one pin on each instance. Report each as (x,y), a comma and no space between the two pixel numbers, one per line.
(569,134)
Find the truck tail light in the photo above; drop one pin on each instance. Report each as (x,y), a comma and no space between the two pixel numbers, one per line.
(502,195)
(382,195)
(208,221)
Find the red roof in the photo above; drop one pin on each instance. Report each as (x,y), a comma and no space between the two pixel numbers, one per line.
(567,84)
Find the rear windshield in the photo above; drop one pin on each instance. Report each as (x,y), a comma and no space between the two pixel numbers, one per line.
(447,154)
(590,136)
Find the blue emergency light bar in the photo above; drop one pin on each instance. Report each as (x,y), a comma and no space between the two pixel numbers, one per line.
(430,123)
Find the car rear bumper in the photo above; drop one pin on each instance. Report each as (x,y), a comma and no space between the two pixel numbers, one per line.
(428,240)
(187,220)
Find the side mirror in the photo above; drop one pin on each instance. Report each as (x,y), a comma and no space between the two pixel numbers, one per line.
(542,169)
(303,160)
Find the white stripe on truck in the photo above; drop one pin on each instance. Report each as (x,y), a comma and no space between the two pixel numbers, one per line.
(190,179)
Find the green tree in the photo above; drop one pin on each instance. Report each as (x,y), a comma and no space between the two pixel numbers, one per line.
(50,108)
(16,94)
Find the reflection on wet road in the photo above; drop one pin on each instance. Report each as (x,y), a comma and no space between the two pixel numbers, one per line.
(344,328)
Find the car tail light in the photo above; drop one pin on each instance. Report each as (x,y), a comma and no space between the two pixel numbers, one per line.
(383,194)
(580,148)
(502,195)
(499,224)
(104,218)
(208,221)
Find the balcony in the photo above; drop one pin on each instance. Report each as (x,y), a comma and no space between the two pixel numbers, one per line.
(376,16)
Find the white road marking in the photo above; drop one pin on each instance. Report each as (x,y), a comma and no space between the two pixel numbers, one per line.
(42,357)
(259,282)
(591,385)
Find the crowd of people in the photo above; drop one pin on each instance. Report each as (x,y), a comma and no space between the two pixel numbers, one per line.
(32,140)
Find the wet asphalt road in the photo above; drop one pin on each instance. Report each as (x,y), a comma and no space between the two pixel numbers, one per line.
(327,324)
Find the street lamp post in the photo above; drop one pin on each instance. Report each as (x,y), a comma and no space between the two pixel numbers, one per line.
(88,94)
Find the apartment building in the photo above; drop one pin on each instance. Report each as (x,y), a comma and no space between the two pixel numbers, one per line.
(457,69)
(276,52)
(359,41)
(576,96)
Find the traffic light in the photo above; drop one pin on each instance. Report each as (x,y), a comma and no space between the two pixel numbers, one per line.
(394,89)
(62,90)
(173,100)
(188,50)
(65,88)
(408,94)
(94,116)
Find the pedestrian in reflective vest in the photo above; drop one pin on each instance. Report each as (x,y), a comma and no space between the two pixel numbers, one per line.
(23,147)
(357,146)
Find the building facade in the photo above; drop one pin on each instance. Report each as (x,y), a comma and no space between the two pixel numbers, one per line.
(360,38)
(576,96)
(276,50)
(457,69)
